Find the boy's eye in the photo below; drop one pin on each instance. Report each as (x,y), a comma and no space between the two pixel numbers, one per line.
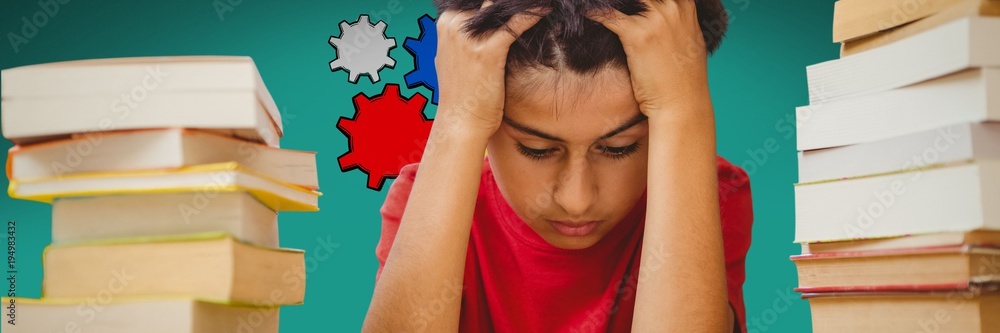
(535,154)
(613,152)
(619,152)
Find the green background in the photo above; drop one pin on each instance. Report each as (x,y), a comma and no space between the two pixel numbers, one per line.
(757,79)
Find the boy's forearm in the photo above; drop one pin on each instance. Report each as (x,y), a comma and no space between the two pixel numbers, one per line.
(682,284)
(426,263)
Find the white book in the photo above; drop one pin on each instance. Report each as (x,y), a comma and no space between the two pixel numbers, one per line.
(964,43)
(956,198)
(225,94)
(107,217)
(239,114)
(131,315)
(965,97)
(939,146)
(159,149)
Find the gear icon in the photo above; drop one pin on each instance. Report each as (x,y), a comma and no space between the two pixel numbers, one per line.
(423,49)
(362,48)
(386,133)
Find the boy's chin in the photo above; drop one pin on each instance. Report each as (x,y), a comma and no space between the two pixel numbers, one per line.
(572,242)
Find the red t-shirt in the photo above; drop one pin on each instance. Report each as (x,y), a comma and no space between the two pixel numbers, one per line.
(515,281)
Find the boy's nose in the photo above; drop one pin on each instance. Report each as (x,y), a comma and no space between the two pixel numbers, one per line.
(576,188)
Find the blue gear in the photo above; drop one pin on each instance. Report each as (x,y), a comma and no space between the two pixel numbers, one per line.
(423,49)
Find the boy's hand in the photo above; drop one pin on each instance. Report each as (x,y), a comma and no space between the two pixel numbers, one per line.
(471,71)
(666,55)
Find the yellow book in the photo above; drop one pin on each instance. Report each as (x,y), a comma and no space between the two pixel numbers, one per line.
(211,266)
(162,148)
(209,179)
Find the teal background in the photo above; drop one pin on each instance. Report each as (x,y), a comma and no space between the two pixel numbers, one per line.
(757,78)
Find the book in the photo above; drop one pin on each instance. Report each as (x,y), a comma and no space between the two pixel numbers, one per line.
(238,114)
(940,198)
(980,238)
(968,310)
(209,179)
(965,43)
(957,11)
(224,94)
(965,97)
(946,144)
(857,18)
(168,315)
(106,217)
(207,266)
(951,265)
(159,149)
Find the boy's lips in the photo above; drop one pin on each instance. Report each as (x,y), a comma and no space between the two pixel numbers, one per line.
(573,228)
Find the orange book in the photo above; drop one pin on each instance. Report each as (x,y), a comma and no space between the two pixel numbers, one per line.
(882,38)
(857,18)
(948,266)
(971,309)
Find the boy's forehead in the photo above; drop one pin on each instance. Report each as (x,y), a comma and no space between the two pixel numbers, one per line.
(605,93)
(586,118)
(544,82)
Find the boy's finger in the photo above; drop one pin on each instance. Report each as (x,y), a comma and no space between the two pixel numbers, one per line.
(445,18)
(687,6)
(460,19)
(452,19)
(656,6)
(612,19)
(518,24)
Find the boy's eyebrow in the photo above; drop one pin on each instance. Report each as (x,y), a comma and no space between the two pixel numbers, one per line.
(635,120)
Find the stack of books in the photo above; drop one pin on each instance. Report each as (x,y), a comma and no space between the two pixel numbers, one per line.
(898,200)
(165,177)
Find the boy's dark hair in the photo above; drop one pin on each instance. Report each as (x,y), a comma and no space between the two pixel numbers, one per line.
(566,38)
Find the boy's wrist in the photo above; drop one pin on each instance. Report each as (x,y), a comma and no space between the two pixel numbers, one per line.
(682,110)
(449,125)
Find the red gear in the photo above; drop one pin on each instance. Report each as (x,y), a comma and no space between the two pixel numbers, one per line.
(386,133)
